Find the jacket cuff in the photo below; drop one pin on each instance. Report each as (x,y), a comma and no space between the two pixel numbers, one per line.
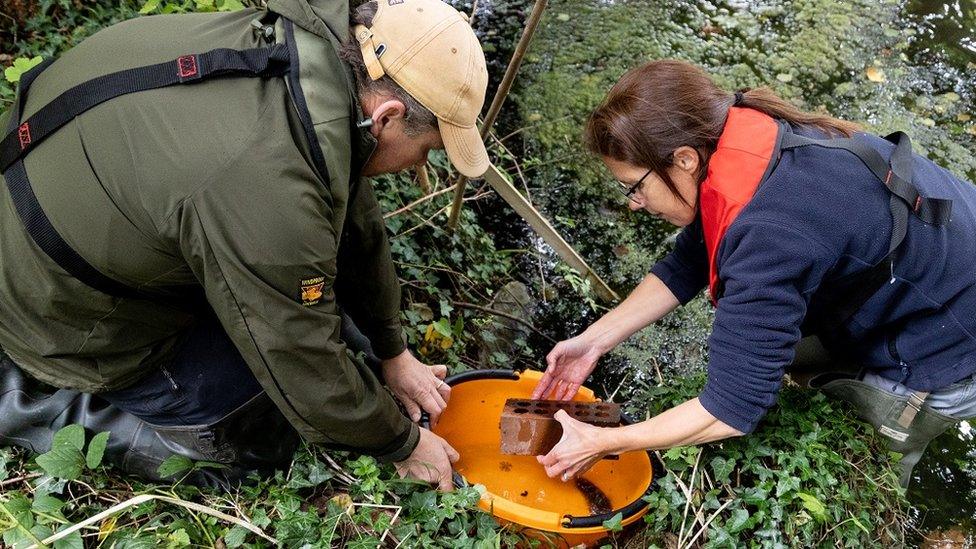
(401,447)
(389,341)
(719,406)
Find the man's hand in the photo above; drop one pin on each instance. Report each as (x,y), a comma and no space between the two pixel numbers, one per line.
(417,385)
(430,461)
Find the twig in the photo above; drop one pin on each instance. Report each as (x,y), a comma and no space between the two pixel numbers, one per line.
(425,222)
(515,163)
(20,479)
(340,472)
(707,522)
(499,99)
(691,485)
(419,201)
(657,369)
(149,497)
(533,126)
(617,390)
(525,323)
(474,11)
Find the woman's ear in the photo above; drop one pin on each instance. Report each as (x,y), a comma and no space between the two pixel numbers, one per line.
(388,112)
(686,159)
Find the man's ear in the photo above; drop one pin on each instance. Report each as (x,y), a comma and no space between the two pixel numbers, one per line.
(388,112)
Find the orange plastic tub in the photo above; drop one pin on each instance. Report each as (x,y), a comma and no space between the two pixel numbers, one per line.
(518,491)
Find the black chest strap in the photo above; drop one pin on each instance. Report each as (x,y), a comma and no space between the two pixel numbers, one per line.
(837,300)
(23,135)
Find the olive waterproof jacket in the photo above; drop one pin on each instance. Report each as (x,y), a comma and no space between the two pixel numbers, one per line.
(213,186)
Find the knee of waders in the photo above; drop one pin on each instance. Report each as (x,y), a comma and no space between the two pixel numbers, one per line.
(254,437)
(883,410)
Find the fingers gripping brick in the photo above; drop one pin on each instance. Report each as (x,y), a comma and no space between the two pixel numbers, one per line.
(529,428)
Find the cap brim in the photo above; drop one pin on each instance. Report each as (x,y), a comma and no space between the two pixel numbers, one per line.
(464,148)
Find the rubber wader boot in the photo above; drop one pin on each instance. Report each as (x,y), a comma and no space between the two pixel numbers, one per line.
(253,438)
(890,414)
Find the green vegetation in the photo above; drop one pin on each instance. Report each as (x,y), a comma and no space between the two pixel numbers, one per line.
(811,475)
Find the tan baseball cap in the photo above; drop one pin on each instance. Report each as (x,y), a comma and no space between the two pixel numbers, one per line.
(430,50)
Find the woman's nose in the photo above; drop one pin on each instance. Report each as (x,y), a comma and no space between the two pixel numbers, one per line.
(634,205)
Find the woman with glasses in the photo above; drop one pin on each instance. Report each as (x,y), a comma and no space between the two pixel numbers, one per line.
(823,249)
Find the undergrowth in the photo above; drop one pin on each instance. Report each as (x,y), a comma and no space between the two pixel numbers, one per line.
(811,475)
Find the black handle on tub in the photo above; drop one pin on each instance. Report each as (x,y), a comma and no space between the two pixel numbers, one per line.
(632,508)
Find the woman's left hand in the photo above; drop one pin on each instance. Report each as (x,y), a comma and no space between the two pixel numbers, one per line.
(580,447)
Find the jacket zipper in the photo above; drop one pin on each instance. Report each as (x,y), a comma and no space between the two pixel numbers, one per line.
(169,378)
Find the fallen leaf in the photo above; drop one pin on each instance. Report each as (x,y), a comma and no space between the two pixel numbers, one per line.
(875,74)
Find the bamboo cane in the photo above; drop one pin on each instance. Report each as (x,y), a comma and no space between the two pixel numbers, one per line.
(499,100)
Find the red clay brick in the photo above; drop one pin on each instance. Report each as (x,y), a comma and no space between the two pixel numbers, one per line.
(529,429)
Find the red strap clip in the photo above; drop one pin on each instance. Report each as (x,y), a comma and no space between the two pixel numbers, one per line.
(23,133)
(918,203)
(888,179)
(186,66)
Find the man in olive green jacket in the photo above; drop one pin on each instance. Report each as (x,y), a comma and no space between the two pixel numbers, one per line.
(231,213)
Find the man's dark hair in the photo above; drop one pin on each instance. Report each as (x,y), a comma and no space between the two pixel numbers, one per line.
(417,118)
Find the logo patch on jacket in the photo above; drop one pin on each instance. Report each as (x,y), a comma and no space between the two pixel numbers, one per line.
(312,290)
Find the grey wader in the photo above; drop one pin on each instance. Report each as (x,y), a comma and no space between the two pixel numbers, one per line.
(907,422)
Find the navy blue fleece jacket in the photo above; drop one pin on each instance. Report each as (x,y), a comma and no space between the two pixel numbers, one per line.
(820,215)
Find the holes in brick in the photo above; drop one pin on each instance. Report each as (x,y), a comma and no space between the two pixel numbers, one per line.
(521,410)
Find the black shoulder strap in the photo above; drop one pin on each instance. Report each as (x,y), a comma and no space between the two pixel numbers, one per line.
(845,296)
(23,136)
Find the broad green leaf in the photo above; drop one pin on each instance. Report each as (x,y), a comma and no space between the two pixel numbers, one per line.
(812,504)
(19,67)
(232,5)
(174,465)
(44,503)
(63,461)
(72,541)
(72,436)
(179,538)
(614,523)
(96,450)
(235,537)
(149,7)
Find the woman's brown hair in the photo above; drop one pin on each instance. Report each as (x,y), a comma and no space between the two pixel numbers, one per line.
(662,105)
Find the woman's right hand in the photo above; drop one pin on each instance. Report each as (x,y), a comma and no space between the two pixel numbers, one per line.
(569,364)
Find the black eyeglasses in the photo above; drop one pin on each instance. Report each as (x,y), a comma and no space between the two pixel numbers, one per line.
(629,191)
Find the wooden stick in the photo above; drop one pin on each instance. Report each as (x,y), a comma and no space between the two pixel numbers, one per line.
(543,228)
(496,103)
(420,200)
(502,314)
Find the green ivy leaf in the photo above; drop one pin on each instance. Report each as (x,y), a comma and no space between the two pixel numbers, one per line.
(722,468)
(174,465)
(737,521)
(614,523)
(812,504)
(235,537)
(96,450)
(19,67)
